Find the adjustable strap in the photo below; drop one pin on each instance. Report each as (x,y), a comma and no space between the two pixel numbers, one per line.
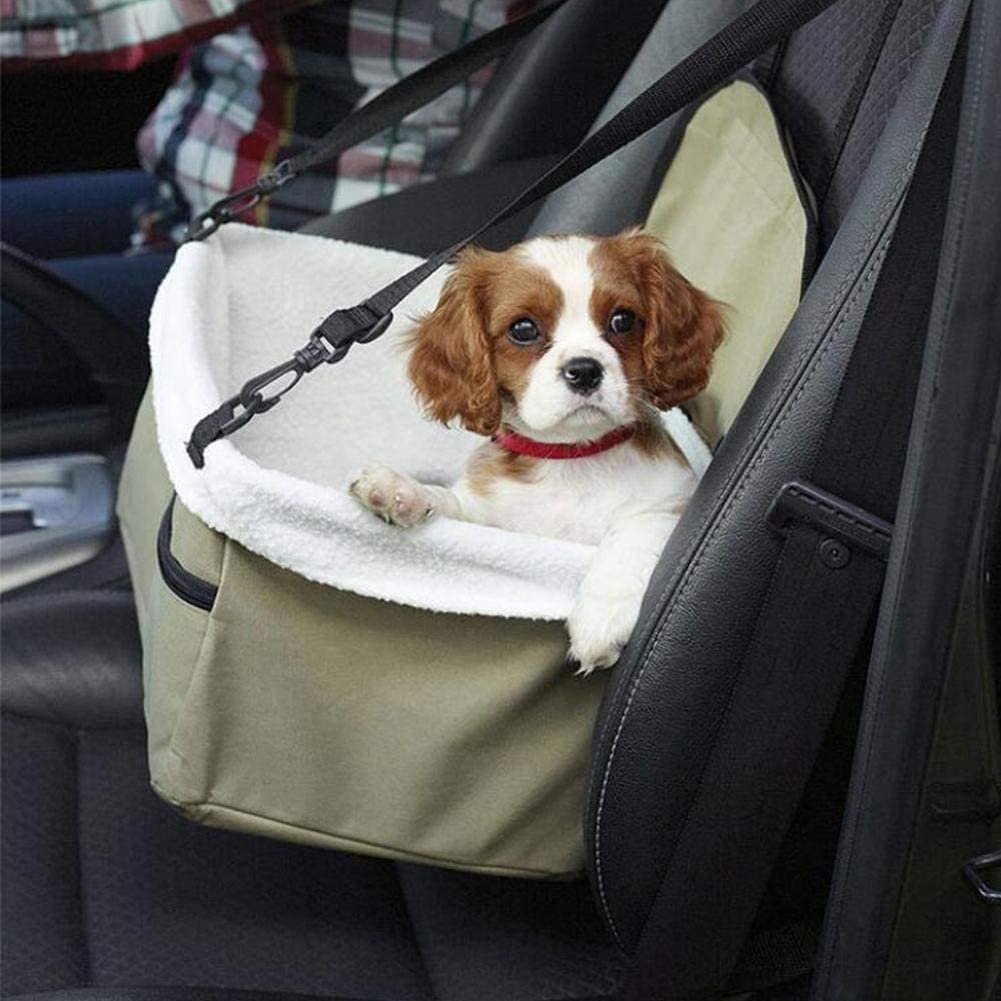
(742,40)
(384,110)
(820,604)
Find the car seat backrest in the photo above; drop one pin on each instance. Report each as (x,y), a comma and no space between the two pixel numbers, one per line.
(654,746)
(834,85)
(619,191)
(546,94)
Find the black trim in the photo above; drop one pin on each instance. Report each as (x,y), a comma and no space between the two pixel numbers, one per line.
(187,586)
(803,502)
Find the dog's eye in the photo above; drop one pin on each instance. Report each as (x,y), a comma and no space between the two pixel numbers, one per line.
(523,331)
(621,321)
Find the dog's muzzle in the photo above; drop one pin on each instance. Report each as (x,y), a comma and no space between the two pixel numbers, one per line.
(583,375)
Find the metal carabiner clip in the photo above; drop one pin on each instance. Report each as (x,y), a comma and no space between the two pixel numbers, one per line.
(226,209)
(229,208)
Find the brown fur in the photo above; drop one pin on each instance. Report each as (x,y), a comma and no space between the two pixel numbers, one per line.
(652,441)
(491,463)
(681,326)
(462,364)
(451,361)
(461,361)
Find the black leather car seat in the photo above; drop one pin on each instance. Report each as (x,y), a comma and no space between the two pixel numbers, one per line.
(104,887)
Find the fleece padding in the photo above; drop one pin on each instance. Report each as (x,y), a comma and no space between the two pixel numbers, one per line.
(243,301)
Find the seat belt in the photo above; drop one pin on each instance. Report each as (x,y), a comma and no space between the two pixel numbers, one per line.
(745,38)
(821,601)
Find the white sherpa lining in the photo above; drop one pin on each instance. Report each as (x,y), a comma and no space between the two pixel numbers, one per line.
(243,301)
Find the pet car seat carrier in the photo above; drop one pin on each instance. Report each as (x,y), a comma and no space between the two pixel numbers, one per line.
(314,675)
(170,904)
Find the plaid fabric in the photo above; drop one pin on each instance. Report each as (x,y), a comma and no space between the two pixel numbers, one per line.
(115,34)
(253,96)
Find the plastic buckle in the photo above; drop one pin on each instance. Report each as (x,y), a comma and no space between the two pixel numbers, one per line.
(237,420)
(281,174)
(314,353)
(255,401)
(338,344)
(230,416)
(973,869)
(376,330)
(254,396)
(833,517)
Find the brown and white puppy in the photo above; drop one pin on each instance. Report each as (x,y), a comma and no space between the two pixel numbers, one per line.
(562,350)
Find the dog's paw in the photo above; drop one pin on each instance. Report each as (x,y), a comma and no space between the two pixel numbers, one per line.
(394,497)
(599,629)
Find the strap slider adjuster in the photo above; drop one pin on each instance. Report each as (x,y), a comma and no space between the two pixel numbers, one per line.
(357,325)
(376,330)
(832,516)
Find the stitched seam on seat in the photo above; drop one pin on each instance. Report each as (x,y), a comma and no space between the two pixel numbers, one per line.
(850,838)
(772,412)
(874,234)
(689,578)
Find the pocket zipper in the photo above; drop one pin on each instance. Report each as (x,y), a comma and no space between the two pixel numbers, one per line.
(189,588)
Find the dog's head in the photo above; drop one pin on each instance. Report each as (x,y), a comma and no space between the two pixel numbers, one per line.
(564,338)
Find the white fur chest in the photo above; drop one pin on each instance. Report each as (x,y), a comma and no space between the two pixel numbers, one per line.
(581,499)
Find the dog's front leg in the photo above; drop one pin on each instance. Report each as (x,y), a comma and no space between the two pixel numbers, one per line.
(400,499)
(608,603)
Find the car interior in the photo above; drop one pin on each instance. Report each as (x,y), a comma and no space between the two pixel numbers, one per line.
(877,886)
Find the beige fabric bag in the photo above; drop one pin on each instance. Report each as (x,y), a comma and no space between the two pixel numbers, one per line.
(299,710)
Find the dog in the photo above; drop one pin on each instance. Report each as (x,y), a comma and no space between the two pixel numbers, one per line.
(562,351)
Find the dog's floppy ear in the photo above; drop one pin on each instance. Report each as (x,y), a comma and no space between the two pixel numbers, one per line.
(451,361)
(683,327)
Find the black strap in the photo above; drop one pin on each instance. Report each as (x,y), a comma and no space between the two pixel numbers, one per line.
(819,608)
(745,38)
(384,110)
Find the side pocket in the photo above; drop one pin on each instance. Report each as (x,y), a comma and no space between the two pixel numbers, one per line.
(179,618)
(187,586)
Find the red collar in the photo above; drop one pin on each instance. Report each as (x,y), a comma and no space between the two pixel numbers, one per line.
(511,441)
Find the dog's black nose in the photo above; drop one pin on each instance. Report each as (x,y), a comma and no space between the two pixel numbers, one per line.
(582,375)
